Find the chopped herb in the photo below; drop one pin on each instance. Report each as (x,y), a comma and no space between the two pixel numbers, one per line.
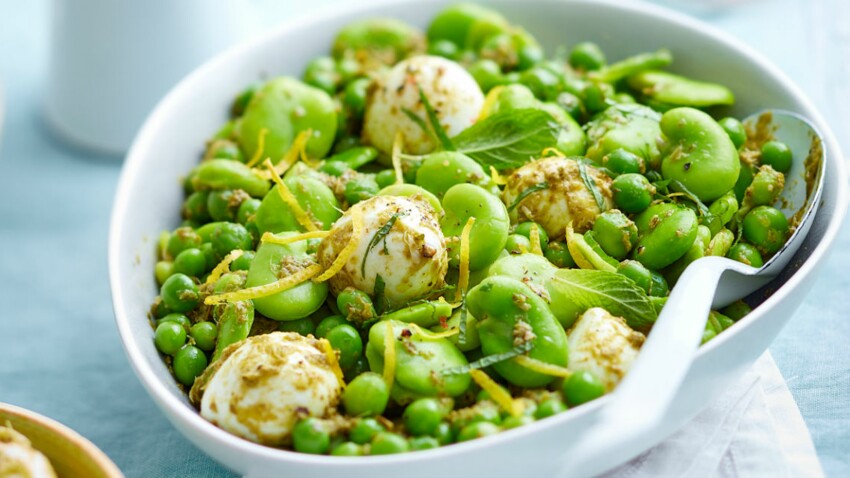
(703,209)
(490,359)
(591,186)
(435,122)
(380,299)
(461,338)
(381,234)
(527,192)
(416,119)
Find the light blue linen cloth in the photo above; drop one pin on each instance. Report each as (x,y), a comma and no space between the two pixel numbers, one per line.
(59,351)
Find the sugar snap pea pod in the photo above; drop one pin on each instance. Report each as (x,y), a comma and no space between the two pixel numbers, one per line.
(381,40)
(412,191)
(440,171)
(234,318)
(666,232)
(285,107)
(700,154)
(720,243)
(276,261)
(423,314)
(221,174)
(489,232)
(764,190)
(315,198)
(634,128)
(509,311)
(677,90)
(420,359)
(454,22)
(632,66)
(720,212)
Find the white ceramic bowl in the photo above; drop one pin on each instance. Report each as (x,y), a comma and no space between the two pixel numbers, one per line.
(168,146)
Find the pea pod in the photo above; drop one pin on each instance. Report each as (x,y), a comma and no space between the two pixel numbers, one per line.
(274,215)
(420,359)
(489,232)
(423,314)
(632,66)
(508,311)
(677,90)
(700,155)
(276,261)
(222,174)
(666,232)
(285,107)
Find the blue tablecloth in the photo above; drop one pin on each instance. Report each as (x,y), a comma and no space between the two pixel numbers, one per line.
(59,351)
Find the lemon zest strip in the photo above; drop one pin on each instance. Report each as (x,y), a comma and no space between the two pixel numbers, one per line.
(223,266)
(534,237)
(272,238)
(497,178)
(543,367)
(261,147)
(267,289)
(330,355)
(300,215)
(498,393)
(463,280)
(398,143)
(389,355)
(348,250)
(550,151)
(431,335)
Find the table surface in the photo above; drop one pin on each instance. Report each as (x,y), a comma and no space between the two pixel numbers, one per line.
(60,354)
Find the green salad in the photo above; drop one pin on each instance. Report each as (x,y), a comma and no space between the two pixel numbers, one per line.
(435,236)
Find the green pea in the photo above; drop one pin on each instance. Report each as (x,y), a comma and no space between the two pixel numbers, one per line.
(440,171)
(587,56)
(224,149)
(243,262)
(366,395)
(571,104)
(159,309)
(423,314)
(657,285)
(766,228)
(549,407)
(423,416)
(582,387)
(524,229)
(737,310)
(443,48)
(385,178)
(487,73)
(180,293)
(169,337)
(517,244)
(195,207)
(346,339)
(423,443)
(355,305)
(735,130)
(672,89)
(444,434)
(355,97)
(558,254)
(321,73)
(310,435)
(285,107)
(191,262)
(189,362)
(360,188)
(595,97)
(220,174)
(204,334)
(700,156)
(477,430)
(327,324)
(746,254)
(489,232)
(163,270)
(412,191)
(275,215)
(301,326)
(273,261)
(364,430)
(223,205)
(615,233)
(745,178)
(777,155)
(666,233)
(632,192)
(621,161)
(247,210)
(242,99)
(226,237)
(545,84)
(181,239)
(454,22)
(347,448)
(500,304)
(178,319)
(386,443)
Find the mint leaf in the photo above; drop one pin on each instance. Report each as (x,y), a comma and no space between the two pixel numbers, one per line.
(508,139)
(613,292)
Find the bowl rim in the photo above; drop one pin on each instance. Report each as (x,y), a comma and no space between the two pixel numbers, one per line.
(179,412)
(100,459)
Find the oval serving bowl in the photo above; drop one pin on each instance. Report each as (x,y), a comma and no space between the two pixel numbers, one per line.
(69,453)
(169,145)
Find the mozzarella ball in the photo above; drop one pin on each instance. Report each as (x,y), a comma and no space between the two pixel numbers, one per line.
(410,256)
(452,92)
(603,345)
(18,459)
(261,387)
(566,199)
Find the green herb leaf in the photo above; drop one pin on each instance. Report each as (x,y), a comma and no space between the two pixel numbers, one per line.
(703,209)
(491,359)
(508,139)
(591,186)
(461,338)
(435,122)
(380,299)
(380,234)
(527,192)
(613,292)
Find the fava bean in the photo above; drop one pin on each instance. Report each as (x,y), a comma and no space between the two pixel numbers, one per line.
(489,232)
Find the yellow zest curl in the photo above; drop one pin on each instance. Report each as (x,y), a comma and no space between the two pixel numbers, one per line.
(489,102)
(330,355)
(223,266)
(463,280)
(261,146)
(430,335)
(398,143)
(542,367)
(498,393)
(534,238)
(300,214)
(551,152)
(389,355)
(266,290)
(271,238)
(348,250)
(497,178)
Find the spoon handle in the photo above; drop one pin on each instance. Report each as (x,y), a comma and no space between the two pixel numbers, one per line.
(641,400)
